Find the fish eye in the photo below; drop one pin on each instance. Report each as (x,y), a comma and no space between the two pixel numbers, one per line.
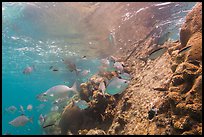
(44,94)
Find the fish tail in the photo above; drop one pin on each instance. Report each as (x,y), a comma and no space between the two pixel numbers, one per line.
(74,87)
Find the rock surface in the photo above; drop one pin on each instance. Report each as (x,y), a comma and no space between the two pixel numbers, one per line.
(192,24)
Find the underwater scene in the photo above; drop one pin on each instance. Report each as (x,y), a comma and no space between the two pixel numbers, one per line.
(101,68)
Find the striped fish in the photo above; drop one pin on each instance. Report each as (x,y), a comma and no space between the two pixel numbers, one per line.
(183,50)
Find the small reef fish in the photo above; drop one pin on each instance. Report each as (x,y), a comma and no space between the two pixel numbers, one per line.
(71,66)
(29,107)
(111,39)
(102,87)
(41,120)
(118,66)
(116,86)
(185,49)
(22,109)
(11,109)
(156,53)
(53,68)
(85,72)
(82,104)
(59,91)
(20,121)
(28,69)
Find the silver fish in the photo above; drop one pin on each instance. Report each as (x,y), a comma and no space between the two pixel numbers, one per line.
(22,109)
(41,120)
(59,91)
(28,69)
(71,66)
(102,87)
(20,121)
(116,86)
(11,109)
(29,107)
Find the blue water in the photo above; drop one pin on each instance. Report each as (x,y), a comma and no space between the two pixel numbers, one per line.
(22,48)
(26,43)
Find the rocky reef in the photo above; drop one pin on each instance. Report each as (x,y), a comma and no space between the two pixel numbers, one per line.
(96,118)
(182,114)
(164,96)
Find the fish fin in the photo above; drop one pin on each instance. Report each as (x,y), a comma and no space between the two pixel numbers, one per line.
(74,87)
(31,120)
